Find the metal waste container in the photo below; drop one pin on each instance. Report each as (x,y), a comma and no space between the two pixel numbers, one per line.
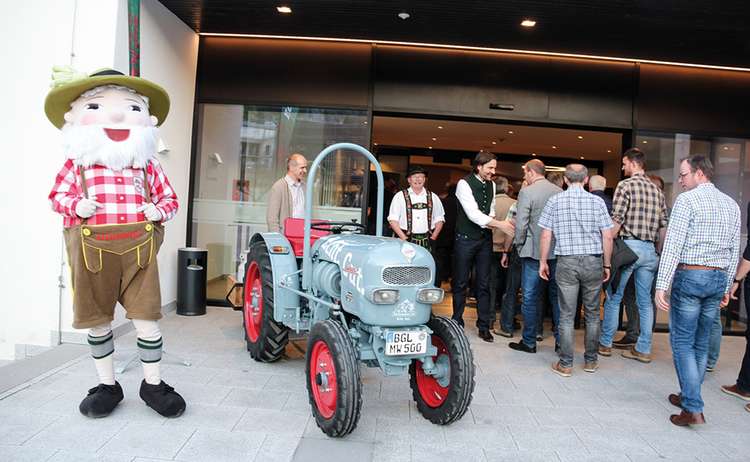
(191,281)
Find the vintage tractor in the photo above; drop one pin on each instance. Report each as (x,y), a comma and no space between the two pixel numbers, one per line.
(364,299)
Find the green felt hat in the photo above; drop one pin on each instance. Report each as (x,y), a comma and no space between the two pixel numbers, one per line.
(68,86)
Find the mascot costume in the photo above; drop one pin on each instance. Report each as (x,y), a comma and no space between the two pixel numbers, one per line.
(114,196)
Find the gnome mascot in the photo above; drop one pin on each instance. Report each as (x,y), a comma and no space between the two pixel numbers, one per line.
(114,196)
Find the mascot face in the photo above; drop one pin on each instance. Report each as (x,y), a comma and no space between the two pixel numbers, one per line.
(111,127)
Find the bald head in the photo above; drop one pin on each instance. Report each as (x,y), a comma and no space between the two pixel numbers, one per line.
(597,183)
(576,173)
(296,167)
(535,165)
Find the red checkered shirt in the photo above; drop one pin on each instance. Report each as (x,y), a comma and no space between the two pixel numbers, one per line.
(121,193)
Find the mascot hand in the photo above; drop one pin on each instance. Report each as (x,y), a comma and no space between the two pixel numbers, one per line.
(151,212)
(86,207)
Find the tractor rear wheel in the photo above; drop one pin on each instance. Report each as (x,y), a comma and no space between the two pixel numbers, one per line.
(444,398)
(266,339)
(333,382)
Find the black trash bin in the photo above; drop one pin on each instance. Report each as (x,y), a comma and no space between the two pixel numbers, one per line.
(191,281)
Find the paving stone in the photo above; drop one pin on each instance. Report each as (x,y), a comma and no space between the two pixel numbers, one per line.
(16,429)
(208,417)
(273,422)
(220,445)
(76,433)
(312,449)
(277,448)
(25,453)
(71,456)
(142,440)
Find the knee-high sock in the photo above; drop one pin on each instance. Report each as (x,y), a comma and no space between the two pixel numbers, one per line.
(102,346)
(149,349)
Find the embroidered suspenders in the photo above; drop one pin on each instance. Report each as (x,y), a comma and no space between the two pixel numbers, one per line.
(422,238)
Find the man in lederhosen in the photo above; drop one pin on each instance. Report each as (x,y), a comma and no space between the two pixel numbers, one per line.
(416,214)
(113,196)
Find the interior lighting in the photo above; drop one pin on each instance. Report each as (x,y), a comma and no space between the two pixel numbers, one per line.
(533,154)
(580,137)
(645,142)
(440,127)
(429,147)
(375,144)
(554,147)
(404,15)
(528,23)
(582,157)
(494,142)
(609,150)
(726,148)
(284,9)
(434,139)
(510,132)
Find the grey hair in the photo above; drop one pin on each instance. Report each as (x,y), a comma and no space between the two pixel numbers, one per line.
(96,90)
(597,183)
(576,173)
(502,184)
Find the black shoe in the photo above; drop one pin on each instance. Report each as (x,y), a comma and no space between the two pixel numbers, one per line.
(520,346)
(539,337)
(163,399)
(485,335)
(101,400)
(625,342)
(557,347)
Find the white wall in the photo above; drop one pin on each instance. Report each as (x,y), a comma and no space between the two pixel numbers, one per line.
(35,35)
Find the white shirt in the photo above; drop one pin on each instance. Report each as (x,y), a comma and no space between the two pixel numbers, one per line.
(297,190)
(418,216)
(466,198)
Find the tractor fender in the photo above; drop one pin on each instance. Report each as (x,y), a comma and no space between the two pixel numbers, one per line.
(285,274)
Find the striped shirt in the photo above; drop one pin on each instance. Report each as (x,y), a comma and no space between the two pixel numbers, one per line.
(577,219)
(704,229)
(639,207)
(120,192)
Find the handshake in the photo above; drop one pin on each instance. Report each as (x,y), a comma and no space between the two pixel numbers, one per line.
(85,208)
(506,226)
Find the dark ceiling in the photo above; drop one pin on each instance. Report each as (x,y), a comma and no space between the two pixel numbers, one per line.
(689,31)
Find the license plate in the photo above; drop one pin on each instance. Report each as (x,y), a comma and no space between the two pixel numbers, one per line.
(405,342)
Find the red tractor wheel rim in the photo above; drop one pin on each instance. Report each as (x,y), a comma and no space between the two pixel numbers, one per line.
(432,393)
(323,379)
(253,313)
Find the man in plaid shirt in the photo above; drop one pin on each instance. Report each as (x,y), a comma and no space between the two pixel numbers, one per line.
(699,260)
(639,213)
(583,245)
(114,196)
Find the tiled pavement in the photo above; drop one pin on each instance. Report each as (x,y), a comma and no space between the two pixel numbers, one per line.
(239,409)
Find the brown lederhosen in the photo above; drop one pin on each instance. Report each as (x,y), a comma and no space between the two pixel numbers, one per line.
(114,263)
(421,239)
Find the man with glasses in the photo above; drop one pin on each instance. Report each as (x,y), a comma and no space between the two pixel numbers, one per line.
(699,260)
(639,213)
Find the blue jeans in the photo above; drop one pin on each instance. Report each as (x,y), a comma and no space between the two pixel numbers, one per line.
(532,286)
(714,342)
(695,299)
(643,270)
(468,254)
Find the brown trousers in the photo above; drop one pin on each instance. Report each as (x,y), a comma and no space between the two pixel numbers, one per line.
(110,264)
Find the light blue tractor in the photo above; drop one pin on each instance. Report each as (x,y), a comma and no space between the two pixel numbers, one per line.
(364,299)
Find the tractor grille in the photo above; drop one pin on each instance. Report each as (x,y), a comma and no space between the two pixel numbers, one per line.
(406,275)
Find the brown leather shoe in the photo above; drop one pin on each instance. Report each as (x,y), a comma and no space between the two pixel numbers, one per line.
(685,418)
(637,355)
(561,370)
(747,407)
(590,366)
(605,351)
(734,390)
(675,400)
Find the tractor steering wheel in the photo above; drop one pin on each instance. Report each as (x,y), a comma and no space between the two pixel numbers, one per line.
(338,227)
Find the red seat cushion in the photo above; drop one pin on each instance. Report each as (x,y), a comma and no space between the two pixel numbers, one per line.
(294,231)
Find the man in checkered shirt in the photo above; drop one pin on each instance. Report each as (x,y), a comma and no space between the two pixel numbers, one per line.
(699,260)
(639,213)
(583,245)
(114,196)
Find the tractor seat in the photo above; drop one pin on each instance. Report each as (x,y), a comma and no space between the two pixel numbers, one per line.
(294,231)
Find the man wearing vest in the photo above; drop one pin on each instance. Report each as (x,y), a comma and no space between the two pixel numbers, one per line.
(473,245)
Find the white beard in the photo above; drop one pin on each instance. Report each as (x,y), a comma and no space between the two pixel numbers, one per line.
(90,145)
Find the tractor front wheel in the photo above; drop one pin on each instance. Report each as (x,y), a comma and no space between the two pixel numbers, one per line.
(333,381)
(266,339)
(444,398)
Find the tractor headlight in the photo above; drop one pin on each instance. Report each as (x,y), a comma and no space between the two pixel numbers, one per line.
(384,296)
(430,296)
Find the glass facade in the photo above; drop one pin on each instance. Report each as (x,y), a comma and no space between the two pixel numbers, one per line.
(242,151)
(731,161)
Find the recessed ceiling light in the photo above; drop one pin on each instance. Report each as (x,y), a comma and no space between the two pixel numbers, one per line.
(364,123)
(528,23)
(582,157)
(645,142)
(481,150)
(429,147)
(510,132)
(533,154)
(434,139)
(580,137)
(440,127)
(284,9)
(554,147)
(375,144)
(609,150)
(726,148)
(404,15)
(494,142)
